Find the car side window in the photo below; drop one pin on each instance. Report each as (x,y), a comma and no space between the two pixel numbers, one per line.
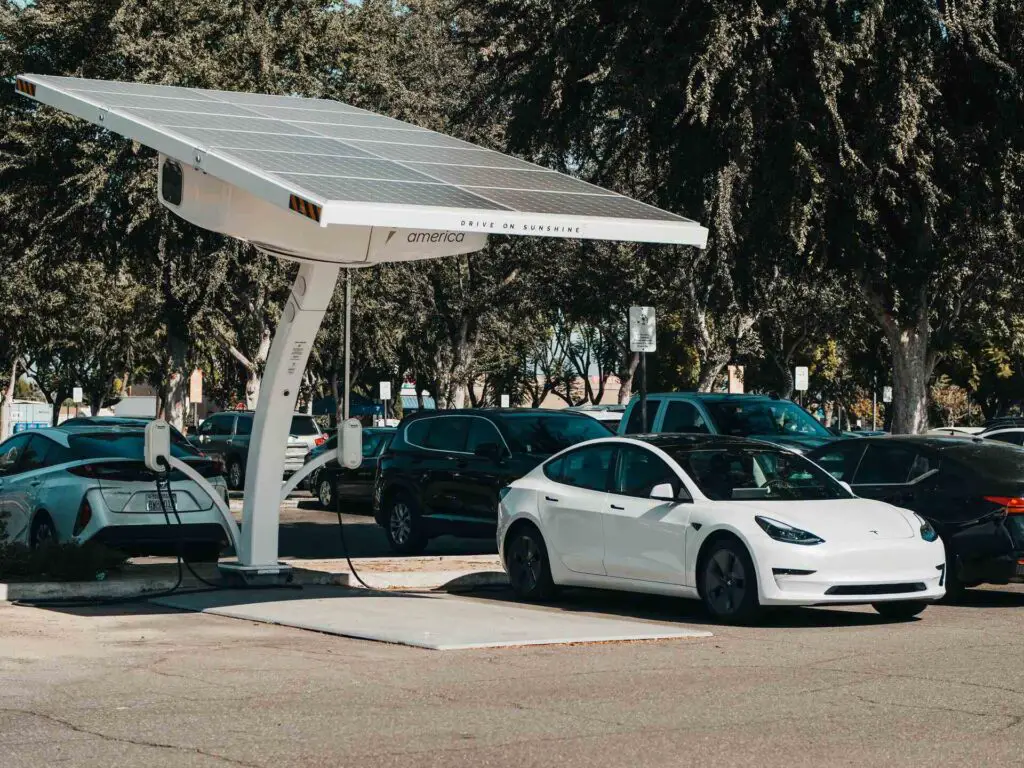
(841,461)
(589,467)
(638,471)
(1014,438)
(416,432)
(482,432)
(553,469)
(206,428)
(922,465)
(633,425)
(448,433)
(222,424)
(34,456)
(681,416)
(243,426)
(885,464)
(11,452)
(55,454)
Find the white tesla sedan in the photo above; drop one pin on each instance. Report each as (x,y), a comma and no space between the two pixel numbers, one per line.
(736,523)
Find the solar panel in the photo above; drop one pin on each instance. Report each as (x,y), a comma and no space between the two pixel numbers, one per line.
(357,167)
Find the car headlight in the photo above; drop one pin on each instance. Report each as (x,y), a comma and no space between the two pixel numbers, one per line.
(928,533)
(782,532)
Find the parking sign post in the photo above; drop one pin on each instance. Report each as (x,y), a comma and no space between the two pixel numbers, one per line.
(642,339)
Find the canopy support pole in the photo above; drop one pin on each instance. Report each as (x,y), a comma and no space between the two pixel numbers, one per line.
(286,363)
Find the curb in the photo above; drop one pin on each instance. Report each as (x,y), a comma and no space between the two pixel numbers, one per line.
(449,581)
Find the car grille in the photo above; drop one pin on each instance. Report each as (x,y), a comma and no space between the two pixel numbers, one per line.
(877,589)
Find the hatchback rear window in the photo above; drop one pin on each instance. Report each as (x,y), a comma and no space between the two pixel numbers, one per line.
(122,445)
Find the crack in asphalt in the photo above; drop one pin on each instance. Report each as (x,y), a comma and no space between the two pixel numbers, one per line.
(1013,719)
(125,740)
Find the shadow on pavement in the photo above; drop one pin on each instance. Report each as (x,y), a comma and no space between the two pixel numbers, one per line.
(673,609)
(990,598)
(319,540)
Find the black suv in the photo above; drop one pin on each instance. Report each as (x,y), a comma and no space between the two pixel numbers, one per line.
(443,470)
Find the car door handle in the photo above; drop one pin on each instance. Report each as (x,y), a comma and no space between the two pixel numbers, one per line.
(616,506)
(36,483)
(550,498)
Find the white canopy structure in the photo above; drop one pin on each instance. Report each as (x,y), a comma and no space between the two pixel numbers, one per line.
(331,186)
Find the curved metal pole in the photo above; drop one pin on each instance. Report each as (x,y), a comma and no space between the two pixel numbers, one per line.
(307,469)
(296,332)
(222,507)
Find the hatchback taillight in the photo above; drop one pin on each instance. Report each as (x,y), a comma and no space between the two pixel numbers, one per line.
(1013,505)
(319,441)
(84,516)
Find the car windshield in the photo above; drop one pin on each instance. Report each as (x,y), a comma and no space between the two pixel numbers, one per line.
(756,474)
(547,433)
(763,417)
(304,426)
(123,445)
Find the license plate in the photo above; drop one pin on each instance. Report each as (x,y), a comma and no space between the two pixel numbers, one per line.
(153,502)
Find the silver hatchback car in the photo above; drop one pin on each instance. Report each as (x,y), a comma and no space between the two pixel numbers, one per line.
(87,482)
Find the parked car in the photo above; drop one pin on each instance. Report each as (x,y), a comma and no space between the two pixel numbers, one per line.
(227,434)
(739,524)
(1004,434)
(609,415)
(970,489)
(88,482)
(760,417)
(442,471)
(955,431)
(333,481)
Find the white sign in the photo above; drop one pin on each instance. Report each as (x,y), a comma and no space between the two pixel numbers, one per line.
(642,330)
(800,379)
(886,394)
(76,394)
(195,386)
(505,401)
(385,390)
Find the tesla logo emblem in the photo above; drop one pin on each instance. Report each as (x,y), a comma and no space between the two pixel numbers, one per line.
(874,532)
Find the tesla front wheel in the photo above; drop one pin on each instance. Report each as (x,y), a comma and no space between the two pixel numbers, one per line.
(901,610)
(729,585)
(529,572)
(404,527)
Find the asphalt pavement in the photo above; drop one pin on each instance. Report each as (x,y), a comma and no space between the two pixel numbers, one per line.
(140,685)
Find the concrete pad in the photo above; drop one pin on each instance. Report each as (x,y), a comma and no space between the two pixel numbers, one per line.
(436,622)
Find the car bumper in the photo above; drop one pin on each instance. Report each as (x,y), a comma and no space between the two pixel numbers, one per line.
(1006,569)
(884,571)
(149,533)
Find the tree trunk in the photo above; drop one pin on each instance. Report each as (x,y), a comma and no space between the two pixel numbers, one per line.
(626,378)
(176,387)
(6,402)
(710,370)
(912,365)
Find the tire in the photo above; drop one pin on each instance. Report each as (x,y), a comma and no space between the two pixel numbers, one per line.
(325,493)
(403,526)
(728,583)
(902,610)
(43,531)
(528,567)
(236,475)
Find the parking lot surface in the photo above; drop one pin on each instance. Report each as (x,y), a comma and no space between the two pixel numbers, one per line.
(141,685)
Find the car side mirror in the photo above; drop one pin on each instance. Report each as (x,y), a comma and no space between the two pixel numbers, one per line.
(490,451)
(663,492)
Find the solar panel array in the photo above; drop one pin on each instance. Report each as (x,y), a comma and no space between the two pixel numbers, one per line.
(336,152)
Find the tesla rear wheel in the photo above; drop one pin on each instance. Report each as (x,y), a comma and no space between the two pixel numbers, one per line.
(902,610)
(236,475)
(404,527)
(43,531)
(325,492)
(729,585)
(529,571)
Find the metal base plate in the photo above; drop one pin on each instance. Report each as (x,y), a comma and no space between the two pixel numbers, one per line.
(256,575)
